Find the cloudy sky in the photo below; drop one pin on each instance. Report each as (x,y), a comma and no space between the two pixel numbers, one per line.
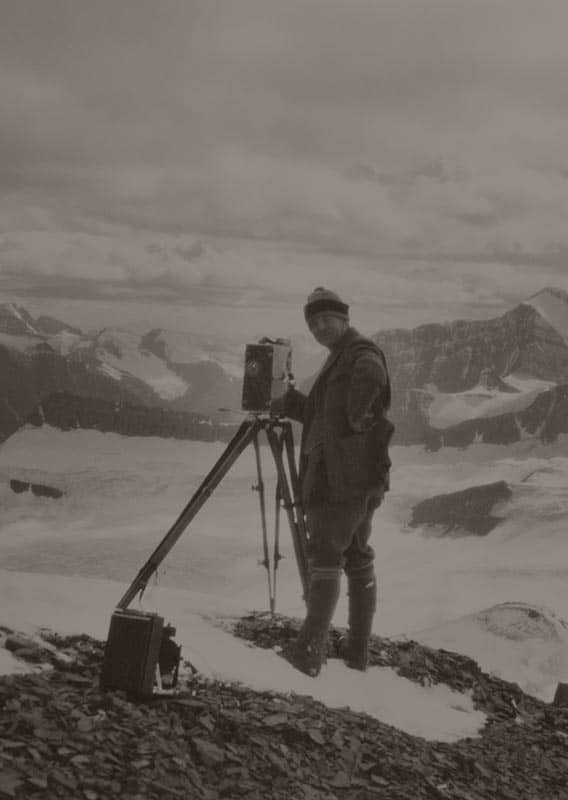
(214,160)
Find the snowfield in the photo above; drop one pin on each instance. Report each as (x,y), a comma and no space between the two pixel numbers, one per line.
(451,409)
(78,605)
(118,356)
(500,599)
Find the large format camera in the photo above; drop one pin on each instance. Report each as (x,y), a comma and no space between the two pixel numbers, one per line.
(268,367)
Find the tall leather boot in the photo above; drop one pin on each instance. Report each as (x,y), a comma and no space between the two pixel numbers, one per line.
(310,649)
(362,589)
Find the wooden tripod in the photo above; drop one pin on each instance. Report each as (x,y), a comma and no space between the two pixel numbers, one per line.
(279,434)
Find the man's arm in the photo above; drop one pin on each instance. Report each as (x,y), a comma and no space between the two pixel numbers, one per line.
(368,381)
(294,404)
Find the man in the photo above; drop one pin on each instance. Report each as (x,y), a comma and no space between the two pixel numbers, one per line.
(344,473)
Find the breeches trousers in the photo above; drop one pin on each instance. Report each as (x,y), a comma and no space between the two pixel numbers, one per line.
(339,533)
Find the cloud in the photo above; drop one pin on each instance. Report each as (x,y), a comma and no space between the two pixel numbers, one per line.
(399,139)
(243,275)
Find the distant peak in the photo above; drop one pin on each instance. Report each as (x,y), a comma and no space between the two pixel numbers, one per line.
(552,305)
(16,320)
(549,291)
(51,326)
(13,308)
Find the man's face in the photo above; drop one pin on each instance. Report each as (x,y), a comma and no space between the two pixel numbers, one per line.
(327,328)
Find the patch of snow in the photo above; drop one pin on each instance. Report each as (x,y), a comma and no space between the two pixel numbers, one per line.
(9,665)
(186,348)
(20,343)
(447,410)
(65,342)
(526,644)
(109,370)
(14,310)
(145,367)
(124,493)
(76,605)
(181,348)
(117,339)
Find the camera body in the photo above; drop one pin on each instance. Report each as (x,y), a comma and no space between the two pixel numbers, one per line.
(268,365)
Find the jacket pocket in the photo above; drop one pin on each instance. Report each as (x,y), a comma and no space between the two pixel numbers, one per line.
(352,461)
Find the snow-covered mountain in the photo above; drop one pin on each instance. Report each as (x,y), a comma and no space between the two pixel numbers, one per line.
(15,320)
(552,305)
(498,380)
(49,367)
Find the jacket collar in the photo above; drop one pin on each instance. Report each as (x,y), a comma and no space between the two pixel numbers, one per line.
(348,337)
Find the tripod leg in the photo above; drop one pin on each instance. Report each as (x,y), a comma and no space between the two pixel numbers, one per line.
(294,479)
(276,556)
(288,440)
(260,488)
(289,505)
(295,489)
(246,433)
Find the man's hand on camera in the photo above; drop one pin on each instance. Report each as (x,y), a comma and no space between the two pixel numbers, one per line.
(278,404)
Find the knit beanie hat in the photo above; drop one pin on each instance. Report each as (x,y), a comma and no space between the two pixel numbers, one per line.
(322,300)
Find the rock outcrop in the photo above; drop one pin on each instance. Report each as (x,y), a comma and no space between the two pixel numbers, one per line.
(468,511)
(37,489)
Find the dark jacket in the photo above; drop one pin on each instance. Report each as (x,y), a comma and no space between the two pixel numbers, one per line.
(353,393)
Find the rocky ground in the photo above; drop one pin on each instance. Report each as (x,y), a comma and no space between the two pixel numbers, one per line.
(61,736)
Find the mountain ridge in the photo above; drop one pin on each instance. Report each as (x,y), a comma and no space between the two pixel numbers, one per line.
(454,383)
(439,366)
